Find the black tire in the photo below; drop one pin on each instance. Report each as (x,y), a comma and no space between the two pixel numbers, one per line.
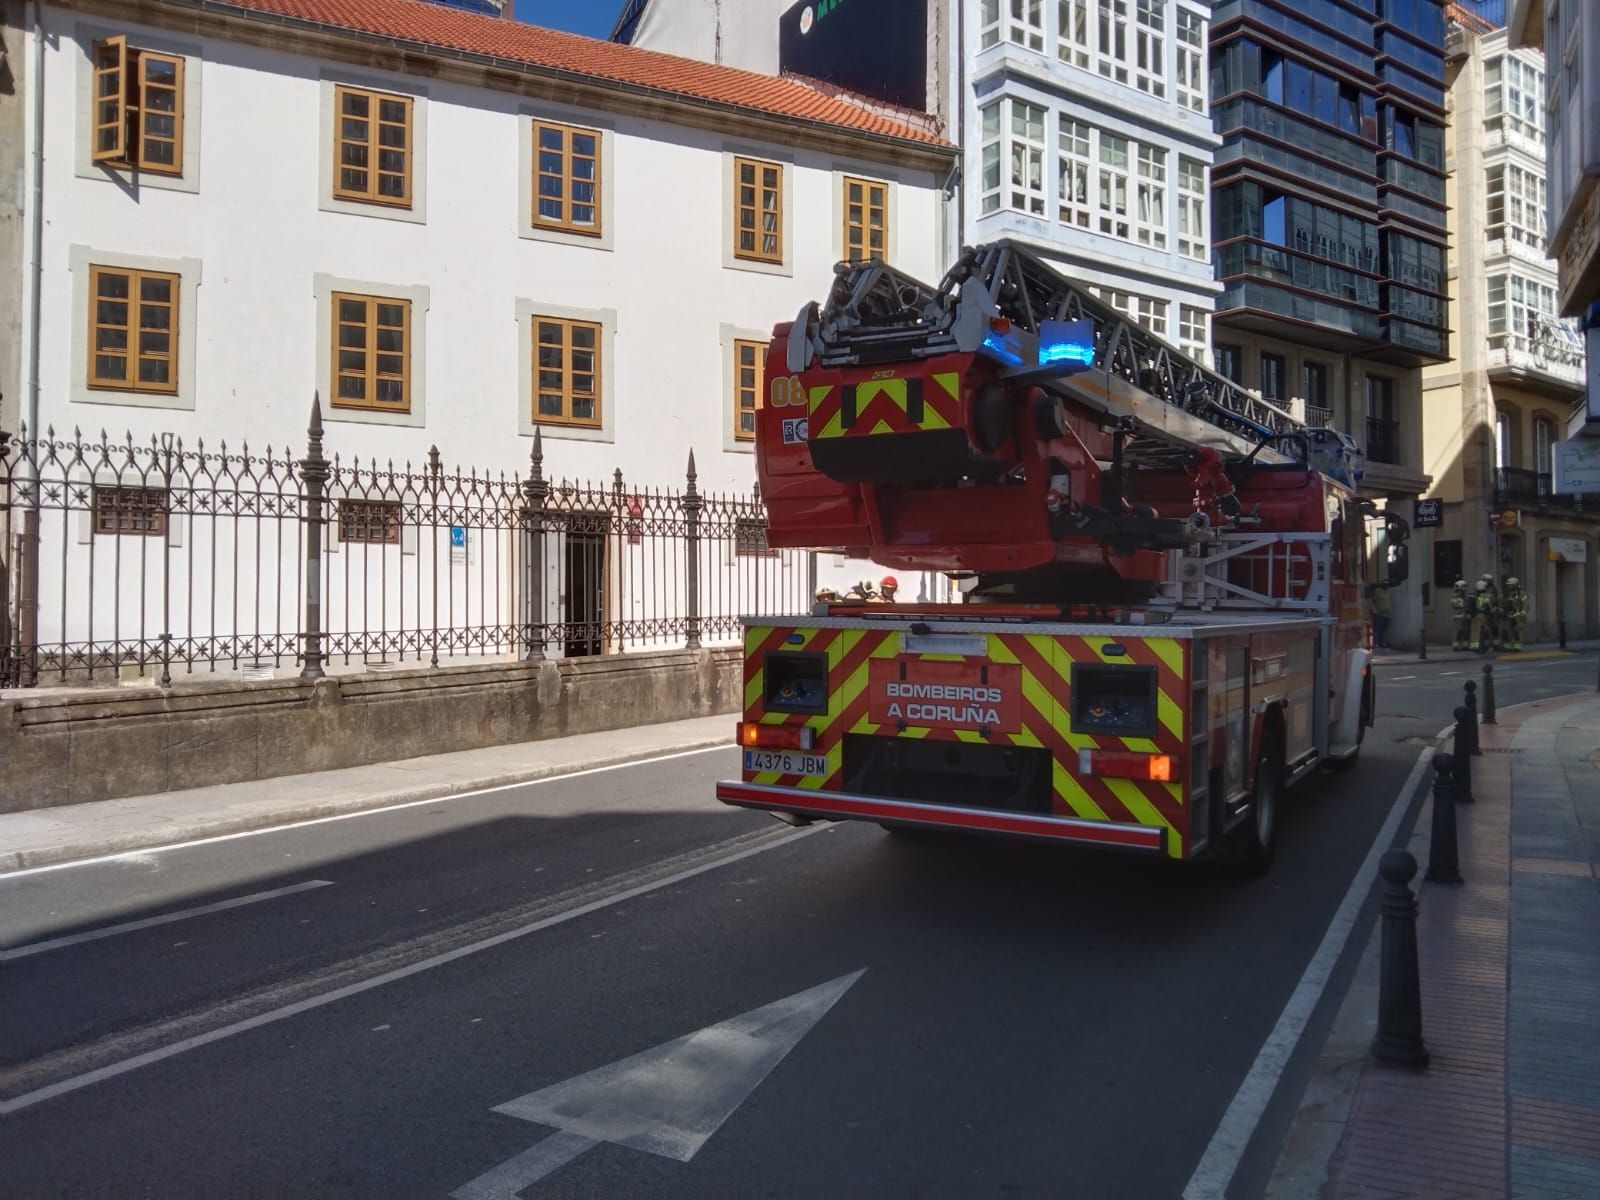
(1256,838)
(1369,705)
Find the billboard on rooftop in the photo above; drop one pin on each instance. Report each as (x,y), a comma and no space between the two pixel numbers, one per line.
(877,48)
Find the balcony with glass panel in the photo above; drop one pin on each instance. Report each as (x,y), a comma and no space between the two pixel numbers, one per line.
(1549,363)
(1260,307)
(1411,344)
(1423,183)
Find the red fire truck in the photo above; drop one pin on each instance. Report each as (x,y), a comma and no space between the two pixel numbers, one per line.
(1162,625)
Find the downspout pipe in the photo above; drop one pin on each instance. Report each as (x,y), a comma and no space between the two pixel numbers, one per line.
(26,634)
(35,194)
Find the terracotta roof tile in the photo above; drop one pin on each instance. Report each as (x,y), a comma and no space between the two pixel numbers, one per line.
(453,29)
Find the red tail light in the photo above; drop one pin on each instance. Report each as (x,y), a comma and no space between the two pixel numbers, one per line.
(1126,764)
(776,737)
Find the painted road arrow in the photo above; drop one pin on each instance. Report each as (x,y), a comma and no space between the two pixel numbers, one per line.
(667,1100)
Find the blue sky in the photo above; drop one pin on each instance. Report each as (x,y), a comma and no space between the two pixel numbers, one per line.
(593,17)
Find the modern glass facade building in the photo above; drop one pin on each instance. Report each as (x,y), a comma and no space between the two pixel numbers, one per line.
(1329,201)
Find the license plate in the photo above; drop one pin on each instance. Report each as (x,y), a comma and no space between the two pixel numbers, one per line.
(786,762)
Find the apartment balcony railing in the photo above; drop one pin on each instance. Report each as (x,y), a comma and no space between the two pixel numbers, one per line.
(1318,417)
(1514,487)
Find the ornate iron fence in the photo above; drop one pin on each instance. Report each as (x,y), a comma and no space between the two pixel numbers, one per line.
(160,558)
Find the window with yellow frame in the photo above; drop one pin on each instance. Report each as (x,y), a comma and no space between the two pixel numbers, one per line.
(137,113)
(372,147)
(866,219)
(371,353)
(749,374)
(566,178)
(133,330)
(566,372)
(758,210)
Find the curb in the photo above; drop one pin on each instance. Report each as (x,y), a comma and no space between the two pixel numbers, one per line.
(203,828)
(1316,1132)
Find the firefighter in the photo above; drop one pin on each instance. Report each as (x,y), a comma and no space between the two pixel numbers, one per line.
(888,586)
(1490,603)
(1459,612)
(1513,611)
(826,595)
(1483,607)
(862,591)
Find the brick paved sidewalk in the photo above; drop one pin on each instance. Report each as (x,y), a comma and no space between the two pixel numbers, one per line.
(1510,970)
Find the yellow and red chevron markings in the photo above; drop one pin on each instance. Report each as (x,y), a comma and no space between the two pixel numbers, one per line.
(1045,661)
(911,404)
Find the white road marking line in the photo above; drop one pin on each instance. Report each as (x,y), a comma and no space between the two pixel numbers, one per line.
(1401,678)
(182,914)
(111,1071)
(1451,672)
(144,851)
(506,1181)
(1221,1158)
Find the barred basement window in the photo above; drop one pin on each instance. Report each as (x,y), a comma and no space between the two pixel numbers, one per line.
(750,539)
(134,511)
(370,522)
(371,352)
(138,107)
(749,371)
(372,147)
(566,178)
(757,210)
(133,330)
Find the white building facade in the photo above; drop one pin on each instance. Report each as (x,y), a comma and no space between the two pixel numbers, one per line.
(457,231)
(1084,126)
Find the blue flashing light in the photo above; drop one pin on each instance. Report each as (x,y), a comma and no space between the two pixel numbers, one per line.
(1052,353)
(995,344)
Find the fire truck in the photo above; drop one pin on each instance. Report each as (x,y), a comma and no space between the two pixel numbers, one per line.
(1161,626)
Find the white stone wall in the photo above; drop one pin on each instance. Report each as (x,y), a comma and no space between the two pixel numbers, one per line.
(255,234)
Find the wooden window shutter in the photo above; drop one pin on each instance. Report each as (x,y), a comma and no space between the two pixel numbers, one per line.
(110,111)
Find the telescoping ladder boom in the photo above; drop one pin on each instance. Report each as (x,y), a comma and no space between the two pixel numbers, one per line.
(1003,300)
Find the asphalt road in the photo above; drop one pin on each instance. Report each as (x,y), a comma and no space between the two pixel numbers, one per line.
(998,1020)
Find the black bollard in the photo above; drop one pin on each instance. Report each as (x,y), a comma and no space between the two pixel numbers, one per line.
(1399,1039)
(1488,694)
(1472,723)
(1444,865)
(1461,757)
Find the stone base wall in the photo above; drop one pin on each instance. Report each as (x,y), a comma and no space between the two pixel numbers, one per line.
(70,747)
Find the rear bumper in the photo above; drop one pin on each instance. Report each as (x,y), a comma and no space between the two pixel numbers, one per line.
(845,806)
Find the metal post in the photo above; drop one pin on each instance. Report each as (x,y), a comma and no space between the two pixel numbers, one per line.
(1472,710)
(1399,1039)
(692,505)
(536,492)
(1461,756)
(1561,608)
(314,474)
(166,564)
(1488,694)
(1443,862)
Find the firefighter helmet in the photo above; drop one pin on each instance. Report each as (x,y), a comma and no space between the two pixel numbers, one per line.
(889,584)
(1512,582)
(1461,585)
(1483,585)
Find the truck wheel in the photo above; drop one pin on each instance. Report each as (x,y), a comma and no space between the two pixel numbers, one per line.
(1255,839)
